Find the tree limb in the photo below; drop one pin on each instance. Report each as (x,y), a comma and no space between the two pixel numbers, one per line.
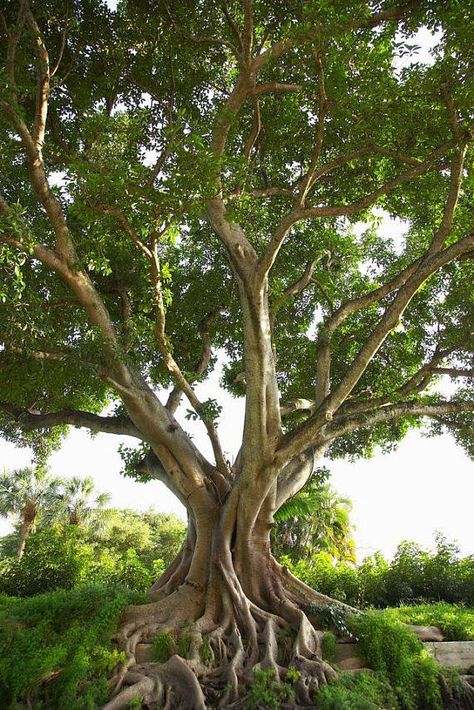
(296,441)
(345,425)
(301,213)
(31,420)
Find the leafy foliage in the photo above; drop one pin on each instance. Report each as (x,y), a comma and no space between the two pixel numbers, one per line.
(413,575)
(128,549)
(329,647)
(80,502)
(129,150)
(28,494)
(265,691)
(55,648)
(163,647)
(455,622)
(364,691)
(55,558)
(393,650)
(314,520)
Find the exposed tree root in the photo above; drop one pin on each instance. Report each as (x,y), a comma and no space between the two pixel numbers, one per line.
(239,637)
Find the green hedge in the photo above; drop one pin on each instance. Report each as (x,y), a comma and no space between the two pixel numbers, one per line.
(413,576)
(55,648)
(63,558)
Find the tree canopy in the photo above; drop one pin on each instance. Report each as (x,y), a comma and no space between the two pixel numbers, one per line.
(148,121)
(28,494)
(182,179)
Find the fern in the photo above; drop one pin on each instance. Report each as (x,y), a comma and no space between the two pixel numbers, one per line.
(297,507)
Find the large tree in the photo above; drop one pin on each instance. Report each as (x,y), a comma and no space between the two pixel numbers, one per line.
(179,178)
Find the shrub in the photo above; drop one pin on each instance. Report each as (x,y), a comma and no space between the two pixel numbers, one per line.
(133,573)
(267,692)
(55,648)
(329,647)
(455,622)
(364,691)
(54,558)
(62,558)
(205,651)
(163,648)
(414,575)
(390,648)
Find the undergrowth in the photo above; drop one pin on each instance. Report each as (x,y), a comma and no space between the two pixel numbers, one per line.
(394,651)
(403,675)
(455,622)
(329,647)
(269,693)
(165,646)
(364,691)
(55,648)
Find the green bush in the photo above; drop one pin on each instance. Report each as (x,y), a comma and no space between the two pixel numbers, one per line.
(63,557)
(55,558)
(163,647)
(267,692)
(413,576)
(455,622)
(329,647)
(55,648)
(133,573)
(364,691)
(390,648)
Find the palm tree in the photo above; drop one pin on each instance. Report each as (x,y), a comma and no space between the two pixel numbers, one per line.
(315,520)
(26,494)
(78,503)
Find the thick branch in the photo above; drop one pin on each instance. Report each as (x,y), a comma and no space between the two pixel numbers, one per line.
(36,354)
(308,180)
(274,86)
(247,36)
(297,405)
(298,440)
(345,425)
(172,365)
(453,372)
(203,363)
(43,81)
(393,313)
(30,420)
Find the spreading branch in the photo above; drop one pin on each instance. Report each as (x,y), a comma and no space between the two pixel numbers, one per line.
(345,425)
(302,213)
(301,437)
(32,419)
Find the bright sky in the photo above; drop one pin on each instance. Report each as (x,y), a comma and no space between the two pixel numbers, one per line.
(426,485)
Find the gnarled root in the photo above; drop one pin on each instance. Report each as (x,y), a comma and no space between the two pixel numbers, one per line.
(172,685)
(239,637)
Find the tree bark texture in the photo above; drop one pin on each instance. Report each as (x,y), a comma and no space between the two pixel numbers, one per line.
(225,590)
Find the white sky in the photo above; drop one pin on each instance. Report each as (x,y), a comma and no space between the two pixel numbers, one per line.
(426,485)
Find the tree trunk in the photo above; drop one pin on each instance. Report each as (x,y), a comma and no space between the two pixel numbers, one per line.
(25,530)
(227,594)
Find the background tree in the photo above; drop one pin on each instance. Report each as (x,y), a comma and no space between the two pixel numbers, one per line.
(26,494)
(315,520)
(80,503)
(181,179)
(153,535)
